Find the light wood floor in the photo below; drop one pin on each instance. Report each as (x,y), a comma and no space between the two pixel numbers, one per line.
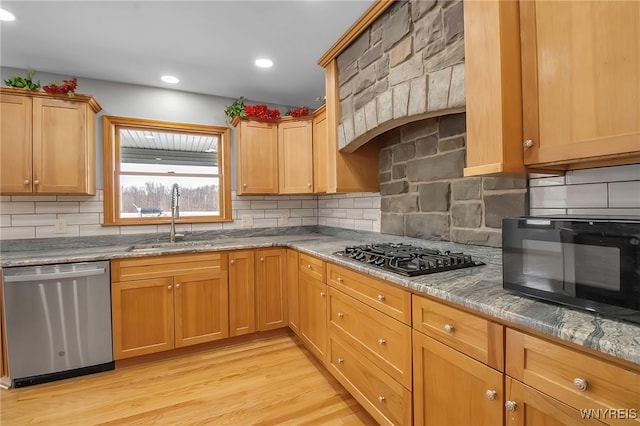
(268,382)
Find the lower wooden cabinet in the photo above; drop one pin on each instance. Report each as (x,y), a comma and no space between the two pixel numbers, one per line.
(313,315)
(154,310)
(292,290)
(526,406)
(271,283)
(450,388)
(242,293)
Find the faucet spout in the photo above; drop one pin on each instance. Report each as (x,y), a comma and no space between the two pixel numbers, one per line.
(175,212)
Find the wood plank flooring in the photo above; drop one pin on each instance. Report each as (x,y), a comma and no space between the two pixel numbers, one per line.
(271,381)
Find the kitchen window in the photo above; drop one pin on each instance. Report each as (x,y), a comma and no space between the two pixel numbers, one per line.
(143,159)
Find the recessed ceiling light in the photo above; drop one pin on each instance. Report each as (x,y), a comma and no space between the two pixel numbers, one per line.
(6,15)
(169,79)
(264,63)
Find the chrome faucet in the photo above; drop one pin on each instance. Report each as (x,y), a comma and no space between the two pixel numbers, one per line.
(175,212)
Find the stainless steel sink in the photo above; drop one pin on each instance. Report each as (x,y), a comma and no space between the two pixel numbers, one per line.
(162,246)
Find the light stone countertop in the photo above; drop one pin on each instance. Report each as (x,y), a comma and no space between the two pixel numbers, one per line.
(478,288)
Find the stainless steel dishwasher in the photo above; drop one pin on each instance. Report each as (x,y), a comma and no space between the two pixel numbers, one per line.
(58,321)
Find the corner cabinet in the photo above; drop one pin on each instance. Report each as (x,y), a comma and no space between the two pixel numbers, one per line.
(47,143)
(572,100)
(271,284)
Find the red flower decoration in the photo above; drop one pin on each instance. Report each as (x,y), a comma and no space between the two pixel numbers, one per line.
(67,86)
(299,112)
(262,112)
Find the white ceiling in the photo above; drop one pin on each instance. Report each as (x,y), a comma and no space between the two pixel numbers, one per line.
(209,45)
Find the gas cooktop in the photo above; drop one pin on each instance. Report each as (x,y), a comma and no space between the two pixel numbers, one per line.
(407,259)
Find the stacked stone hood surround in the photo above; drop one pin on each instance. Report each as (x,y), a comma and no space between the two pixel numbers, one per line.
(401,85)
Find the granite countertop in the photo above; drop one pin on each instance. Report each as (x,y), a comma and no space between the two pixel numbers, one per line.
(478,288)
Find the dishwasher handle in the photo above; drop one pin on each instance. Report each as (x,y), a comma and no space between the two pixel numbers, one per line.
(53,275)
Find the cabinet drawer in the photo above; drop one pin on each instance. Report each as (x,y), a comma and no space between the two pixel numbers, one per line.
(577,379)
(382,340)
(385,399)
(311,266)
(168,265)
(393,301)
(474,336)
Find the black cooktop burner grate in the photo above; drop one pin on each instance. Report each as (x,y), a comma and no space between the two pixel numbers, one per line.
(407,259)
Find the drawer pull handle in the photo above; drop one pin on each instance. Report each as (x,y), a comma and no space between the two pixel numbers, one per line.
(380,298)
(448,328)
(309,266)
(340,279)
(323,294)
(340,314)
(382,341)
(511,405)
(491,394)
(340,360)
(381,399)
(580,384)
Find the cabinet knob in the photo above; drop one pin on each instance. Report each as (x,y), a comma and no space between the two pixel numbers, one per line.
(340,314)
(340,279)
(309,185)
(262,259)
(380,298)
(177,285)
(168,287)
(381,399)
(309,266)
(36,182)
(491,394)
(448,328)
(244,185)
(382,342)
(580,384)
(528,143)
(323,294)
(340,360)
(26,181)
(232,261)
(511,405)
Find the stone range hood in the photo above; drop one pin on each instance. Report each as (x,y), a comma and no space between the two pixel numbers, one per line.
(407,66)
(401,86)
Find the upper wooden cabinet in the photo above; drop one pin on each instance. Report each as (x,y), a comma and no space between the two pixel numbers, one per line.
(47,143)
(295,156)
(551,85)
(580,81)
(320,150)
(257,154)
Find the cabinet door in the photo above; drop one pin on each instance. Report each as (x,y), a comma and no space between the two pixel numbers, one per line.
(528,407)
(295,157)
(63,152)
(15,145)
(271,280)
(257,151)
(292,290)
(320,150)
(581,91)
(313,315)
(242,293)
(449,388)
(202,308)
(142,317)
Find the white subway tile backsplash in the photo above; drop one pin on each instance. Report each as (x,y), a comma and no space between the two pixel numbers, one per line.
(22,207)
(276,213)
(301,212)
(50,231)
(57,207)
(354,213)
(346,203)
(363,203)
(547,181)
(347,223)
(265,223)
(18,233)
(33,219)
(5,220)
(575,196)
(332,204)
(17,198)
(91,206)
(309,221)
(290,204)
(292,221)
(604,174)
(605,212)
(81,218)
(139,229)
(77,198)
(309,204)
(264,205)
(88,230)
(547,212)
(4,198)
(624,194)
(195,227)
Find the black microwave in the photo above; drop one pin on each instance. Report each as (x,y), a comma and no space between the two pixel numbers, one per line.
(589,263)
